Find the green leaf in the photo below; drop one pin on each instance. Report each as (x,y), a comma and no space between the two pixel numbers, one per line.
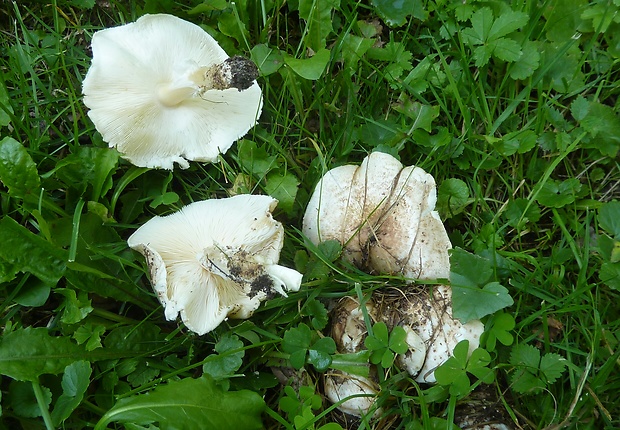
(580,108)
(506,23)
(75,381)
(395,13)
(422,115)
(17,170)
(254,159)
(282,186)
(268,60)
(31,253)
(469,269)
(603,124)
(89,334)
(6,110)
(353,49)
(520,212)
(23,400)
(507,50)
(527,63)
(498,328)
(525,355)
(534,373)
(609,274)
(398,340)
(75,308)
(26,354)
(225,364)
(315,309)
(474,303)
(452,197)
(89,167)
(552,366)
(309,68)
(609,218)
(190,404)
(34,293)
(481,23)
(318,16)
(556,194)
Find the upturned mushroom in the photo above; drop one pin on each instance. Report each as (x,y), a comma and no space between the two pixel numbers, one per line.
(215,259)
(162,91)
(383,214)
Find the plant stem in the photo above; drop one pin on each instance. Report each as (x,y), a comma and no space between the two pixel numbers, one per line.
(45,413)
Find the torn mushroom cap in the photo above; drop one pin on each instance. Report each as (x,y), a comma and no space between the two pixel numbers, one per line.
(383,213)
(161,91)
(426,316)
(215,259)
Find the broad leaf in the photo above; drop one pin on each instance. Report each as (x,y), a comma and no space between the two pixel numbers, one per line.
(395,13)
(17,170)
(473,296)
(225,363)
(31,253)
(474,303)
(74,383)
(318,16)
(609,218)
(452,197)
(190,404)
(309,68)
(26,354)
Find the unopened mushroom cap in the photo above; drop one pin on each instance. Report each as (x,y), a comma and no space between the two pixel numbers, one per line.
(340,385)
(134,64)
(215,259)
(383,214)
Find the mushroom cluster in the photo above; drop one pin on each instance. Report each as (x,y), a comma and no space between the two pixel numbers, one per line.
(215,259)
(383,214)
(162,91)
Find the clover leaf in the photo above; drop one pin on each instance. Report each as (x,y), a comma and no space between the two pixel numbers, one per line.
(454,372)
(301,343)
(384,346)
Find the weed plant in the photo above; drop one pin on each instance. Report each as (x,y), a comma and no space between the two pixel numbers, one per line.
(513,106)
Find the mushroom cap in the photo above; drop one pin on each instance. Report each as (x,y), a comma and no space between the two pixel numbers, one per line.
(132,62)
(383,214)
(215,259)
(426,317)
(430,316)
(339,385)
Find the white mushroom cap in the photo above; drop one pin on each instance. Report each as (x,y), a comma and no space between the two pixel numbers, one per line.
(340,385)
(215,259)
(431,318)
(413,360)
(153,95)
(383,214)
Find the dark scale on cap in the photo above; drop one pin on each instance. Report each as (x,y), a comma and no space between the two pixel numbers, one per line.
(244,72)
(262,283)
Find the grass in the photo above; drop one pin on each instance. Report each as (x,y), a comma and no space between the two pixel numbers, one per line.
(518,123)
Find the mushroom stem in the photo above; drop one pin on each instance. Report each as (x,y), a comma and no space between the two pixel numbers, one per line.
(173,94)
(235,72)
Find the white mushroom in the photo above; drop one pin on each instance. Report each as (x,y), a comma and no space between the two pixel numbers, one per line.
(215,259)
(426,317)
(383,214)
(161,91)
(362,392)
